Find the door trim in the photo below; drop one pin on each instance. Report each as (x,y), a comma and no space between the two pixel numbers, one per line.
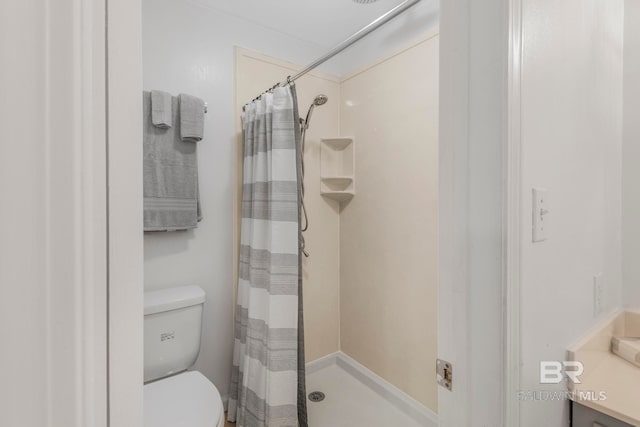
(453,242)
(479,211)
(125,228)
(513,219)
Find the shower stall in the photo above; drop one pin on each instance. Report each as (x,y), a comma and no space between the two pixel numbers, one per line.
(368,256)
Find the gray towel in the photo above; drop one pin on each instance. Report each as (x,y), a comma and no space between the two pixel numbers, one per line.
(171,199)
(191,118)
(161,109)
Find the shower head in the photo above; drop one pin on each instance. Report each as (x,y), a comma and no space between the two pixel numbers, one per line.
(320,100)
(317,102)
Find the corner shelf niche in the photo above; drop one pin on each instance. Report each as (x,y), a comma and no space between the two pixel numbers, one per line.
(337,168)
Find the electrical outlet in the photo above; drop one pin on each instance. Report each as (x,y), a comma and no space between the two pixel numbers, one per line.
(540,207)
(598,295)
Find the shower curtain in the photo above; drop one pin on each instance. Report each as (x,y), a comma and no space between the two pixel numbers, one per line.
(267,385)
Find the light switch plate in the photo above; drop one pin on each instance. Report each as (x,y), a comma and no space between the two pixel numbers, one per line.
(540,214)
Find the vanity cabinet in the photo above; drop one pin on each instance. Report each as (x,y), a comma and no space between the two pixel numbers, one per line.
(587,417)
(605,372)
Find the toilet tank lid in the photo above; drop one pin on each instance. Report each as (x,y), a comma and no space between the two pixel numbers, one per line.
(172,299)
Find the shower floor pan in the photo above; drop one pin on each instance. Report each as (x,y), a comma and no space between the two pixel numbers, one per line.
(349,402)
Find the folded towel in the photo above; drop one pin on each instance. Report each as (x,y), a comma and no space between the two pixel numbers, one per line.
(191,118)
(171,197)
(161,111)
(627,348)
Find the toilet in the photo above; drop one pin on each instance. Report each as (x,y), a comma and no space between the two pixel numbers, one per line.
(174,396)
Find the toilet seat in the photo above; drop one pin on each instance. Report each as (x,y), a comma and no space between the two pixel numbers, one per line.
(184,400)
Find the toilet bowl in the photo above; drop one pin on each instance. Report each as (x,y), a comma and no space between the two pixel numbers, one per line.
(173,395)
(183,400)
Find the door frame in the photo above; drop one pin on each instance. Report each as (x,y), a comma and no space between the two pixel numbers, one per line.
(452,203)
(480,211)
(125,195)
(462,72)
(72,185)
(513,217)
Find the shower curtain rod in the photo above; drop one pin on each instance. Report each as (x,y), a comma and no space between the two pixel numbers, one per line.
(399,9)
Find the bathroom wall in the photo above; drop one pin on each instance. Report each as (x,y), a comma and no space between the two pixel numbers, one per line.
(388,232)
(321,271)
(572,146)
(188,48)
(631,157)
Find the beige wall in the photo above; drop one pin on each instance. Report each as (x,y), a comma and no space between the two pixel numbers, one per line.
(321,276)
(388,232)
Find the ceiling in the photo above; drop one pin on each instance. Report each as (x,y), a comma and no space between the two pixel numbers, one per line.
(321,22)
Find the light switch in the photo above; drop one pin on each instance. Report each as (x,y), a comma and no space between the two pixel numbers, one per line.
(540,214)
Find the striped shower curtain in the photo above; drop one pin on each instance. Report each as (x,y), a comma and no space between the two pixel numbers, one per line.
(265,383)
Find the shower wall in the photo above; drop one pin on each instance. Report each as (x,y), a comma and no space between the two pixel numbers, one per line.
(321,271)
(388,232)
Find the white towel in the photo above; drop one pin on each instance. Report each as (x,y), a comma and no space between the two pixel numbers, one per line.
(161,112)
(191,118)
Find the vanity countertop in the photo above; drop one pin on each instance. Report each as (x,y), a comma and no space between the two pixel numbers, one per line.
(605,372)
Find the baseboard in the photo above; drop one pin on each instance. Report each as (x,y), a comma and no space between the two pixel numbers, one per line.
(392,394)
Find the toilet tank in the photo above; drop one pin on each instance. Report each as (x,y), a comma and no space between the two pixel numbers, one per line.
(172,327)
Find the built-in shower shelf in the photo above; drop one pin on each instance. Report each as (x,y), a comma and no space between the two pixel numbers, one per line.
(338,183)
(338,143)
(341,196)
(337,168)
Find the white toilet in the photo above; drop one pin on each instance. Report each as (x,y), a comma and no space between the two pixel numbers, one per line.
(173,396)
